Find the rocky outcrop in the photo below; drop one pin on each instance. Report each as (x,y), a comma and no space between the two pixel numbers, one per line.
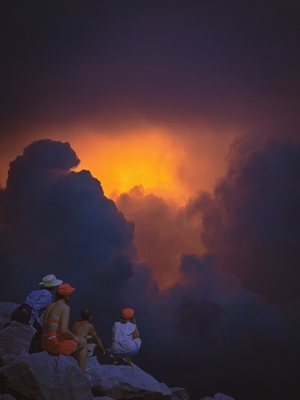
(14,339)
(5,312)
(127,382)
(40,376)
(179,393)
(218,396)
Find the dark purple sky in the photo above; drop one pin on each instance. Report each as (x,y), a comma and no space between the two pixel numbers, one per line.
(203,72)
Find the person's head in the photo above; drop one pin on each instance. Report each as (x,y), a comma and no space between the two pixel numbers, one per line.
(86,314)
(50,282)
(64,292)
(127,315)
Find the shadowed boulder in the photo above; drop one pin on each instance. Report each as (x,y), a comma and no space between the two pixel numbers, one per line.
(123,382)
(15,339)
(42,377)
(5,312)
(179,393)
(218,396)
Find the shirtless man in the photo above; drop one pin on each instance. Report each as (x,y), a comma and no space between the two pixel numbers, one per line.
(85,329)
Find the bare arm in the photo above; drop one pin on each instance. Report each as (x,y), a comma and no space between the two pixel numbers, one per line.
(96,339)
(74,328)
(136,332)
(64,324)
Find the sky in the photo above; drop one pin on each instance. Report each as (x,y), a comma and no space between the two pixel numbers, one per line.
(150,156)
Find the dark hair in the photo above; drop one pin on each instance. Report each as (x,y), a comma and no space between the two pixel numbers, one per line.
(85,313)
(124,321)
(60,296)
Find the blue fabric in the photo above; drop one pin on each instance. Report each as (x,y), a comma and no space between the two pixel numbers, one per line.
(38,300)
(128,354)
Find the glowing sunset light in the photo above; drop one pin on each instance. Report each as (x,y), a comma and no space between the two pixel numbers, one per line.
(145,157)
(168,165)
(171,162)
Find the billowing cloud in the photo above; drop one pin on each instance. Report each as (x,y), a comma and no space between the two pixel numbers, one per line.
(252,219)
(57,219)
(206,331)
(227,333)
(162,232)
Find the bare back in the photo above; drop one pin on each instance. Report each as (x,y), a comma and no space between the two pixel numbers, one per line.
(56,317)
(82,328)
(85,329)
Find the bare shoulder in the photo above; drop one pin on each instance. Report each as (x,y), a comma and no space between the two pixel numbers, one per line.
(76,324)
(90,327)
(63,308)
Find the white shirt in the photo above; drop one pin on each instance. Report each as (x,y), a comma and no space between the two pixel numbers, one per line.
(122,340)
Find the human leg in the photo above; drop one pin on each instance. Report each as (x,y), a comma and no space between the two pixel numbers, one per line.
(129,363)
(128,355)
(138,341)
(80,350)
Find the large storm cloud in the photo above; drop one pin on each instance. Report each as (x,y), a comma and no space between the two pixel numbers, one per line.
(56,219)
(252,220)
(210,331)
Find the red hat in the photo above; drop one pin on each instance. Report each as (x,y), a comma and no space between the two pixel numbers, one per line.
(127,313)
(65,289)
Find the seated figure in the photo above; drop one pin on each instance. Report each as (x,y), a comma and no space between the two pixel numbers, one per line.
(30,312)
(126,340)
(56,336)
(85,329)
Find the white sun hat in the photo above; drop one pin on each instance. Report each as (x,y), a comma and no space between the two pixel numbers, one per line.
(50,281)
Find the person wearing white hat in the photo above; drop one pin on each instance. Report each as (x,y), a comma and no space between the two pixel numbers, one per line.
(31,311)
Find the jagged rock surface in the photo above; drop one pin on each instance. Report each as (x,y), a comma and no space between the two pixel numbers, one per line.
(179,393)
(127,382)
(14,339)
(218,396)
(43,377)
(5,312)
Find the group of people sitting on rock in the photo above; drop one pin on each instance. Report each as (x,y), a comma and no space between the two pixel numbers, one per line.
(51,320)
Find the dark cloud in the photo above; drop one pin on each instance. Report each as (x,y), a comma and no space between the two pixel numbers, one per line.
(58,219)
(195,319)
(206,332)
(252,219)
(162,232)
(223,327)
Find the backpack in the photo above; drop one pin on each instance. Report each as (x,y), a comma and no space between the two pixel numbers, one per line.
(22,314)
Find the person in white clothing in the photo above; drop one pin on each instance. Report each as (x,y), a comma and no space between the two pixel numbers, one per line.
(126,340)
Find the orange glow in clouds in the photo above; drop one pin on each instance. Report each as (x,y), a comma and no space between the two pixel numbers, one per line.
(146,158)
(172,163)
(174,167)
(171,166)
